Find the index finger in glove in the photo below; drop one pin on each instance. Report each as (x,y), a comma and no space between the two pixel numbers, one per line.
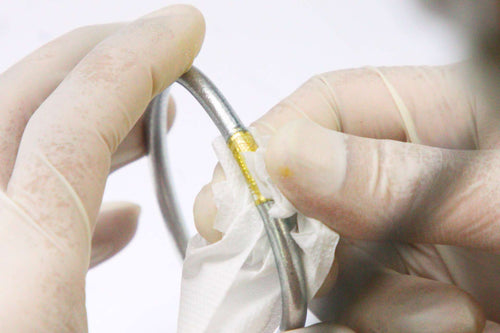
(397,103)
(64,155)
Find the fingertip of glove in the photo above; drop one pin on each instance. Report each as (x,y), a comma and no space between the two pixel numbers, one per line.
(204,212)
(177,9)
(306,161)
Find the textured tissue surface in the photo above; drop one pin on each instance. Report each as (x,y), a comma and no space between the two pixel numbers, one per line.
(232,285)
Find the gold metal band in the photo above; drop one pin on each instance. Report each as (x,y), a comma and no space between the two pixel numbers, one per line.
(239,143)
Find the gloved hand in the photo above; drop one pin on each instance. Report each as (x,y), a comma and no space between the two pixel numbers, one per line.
(393,202)
(64,111)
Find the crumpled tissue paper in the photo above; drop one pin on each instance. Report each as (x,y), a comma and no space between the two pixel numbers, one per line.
(232,285)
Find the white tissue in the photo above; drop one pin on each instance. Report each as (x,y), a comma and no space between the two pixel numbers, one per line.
(232,285)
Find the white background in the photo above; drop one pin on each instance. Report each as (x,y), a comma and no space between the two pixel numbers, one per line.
(257,52)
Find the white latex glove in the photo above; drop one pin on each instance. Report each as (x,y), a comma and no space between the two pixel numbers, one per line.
(64,110)
(393,202)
